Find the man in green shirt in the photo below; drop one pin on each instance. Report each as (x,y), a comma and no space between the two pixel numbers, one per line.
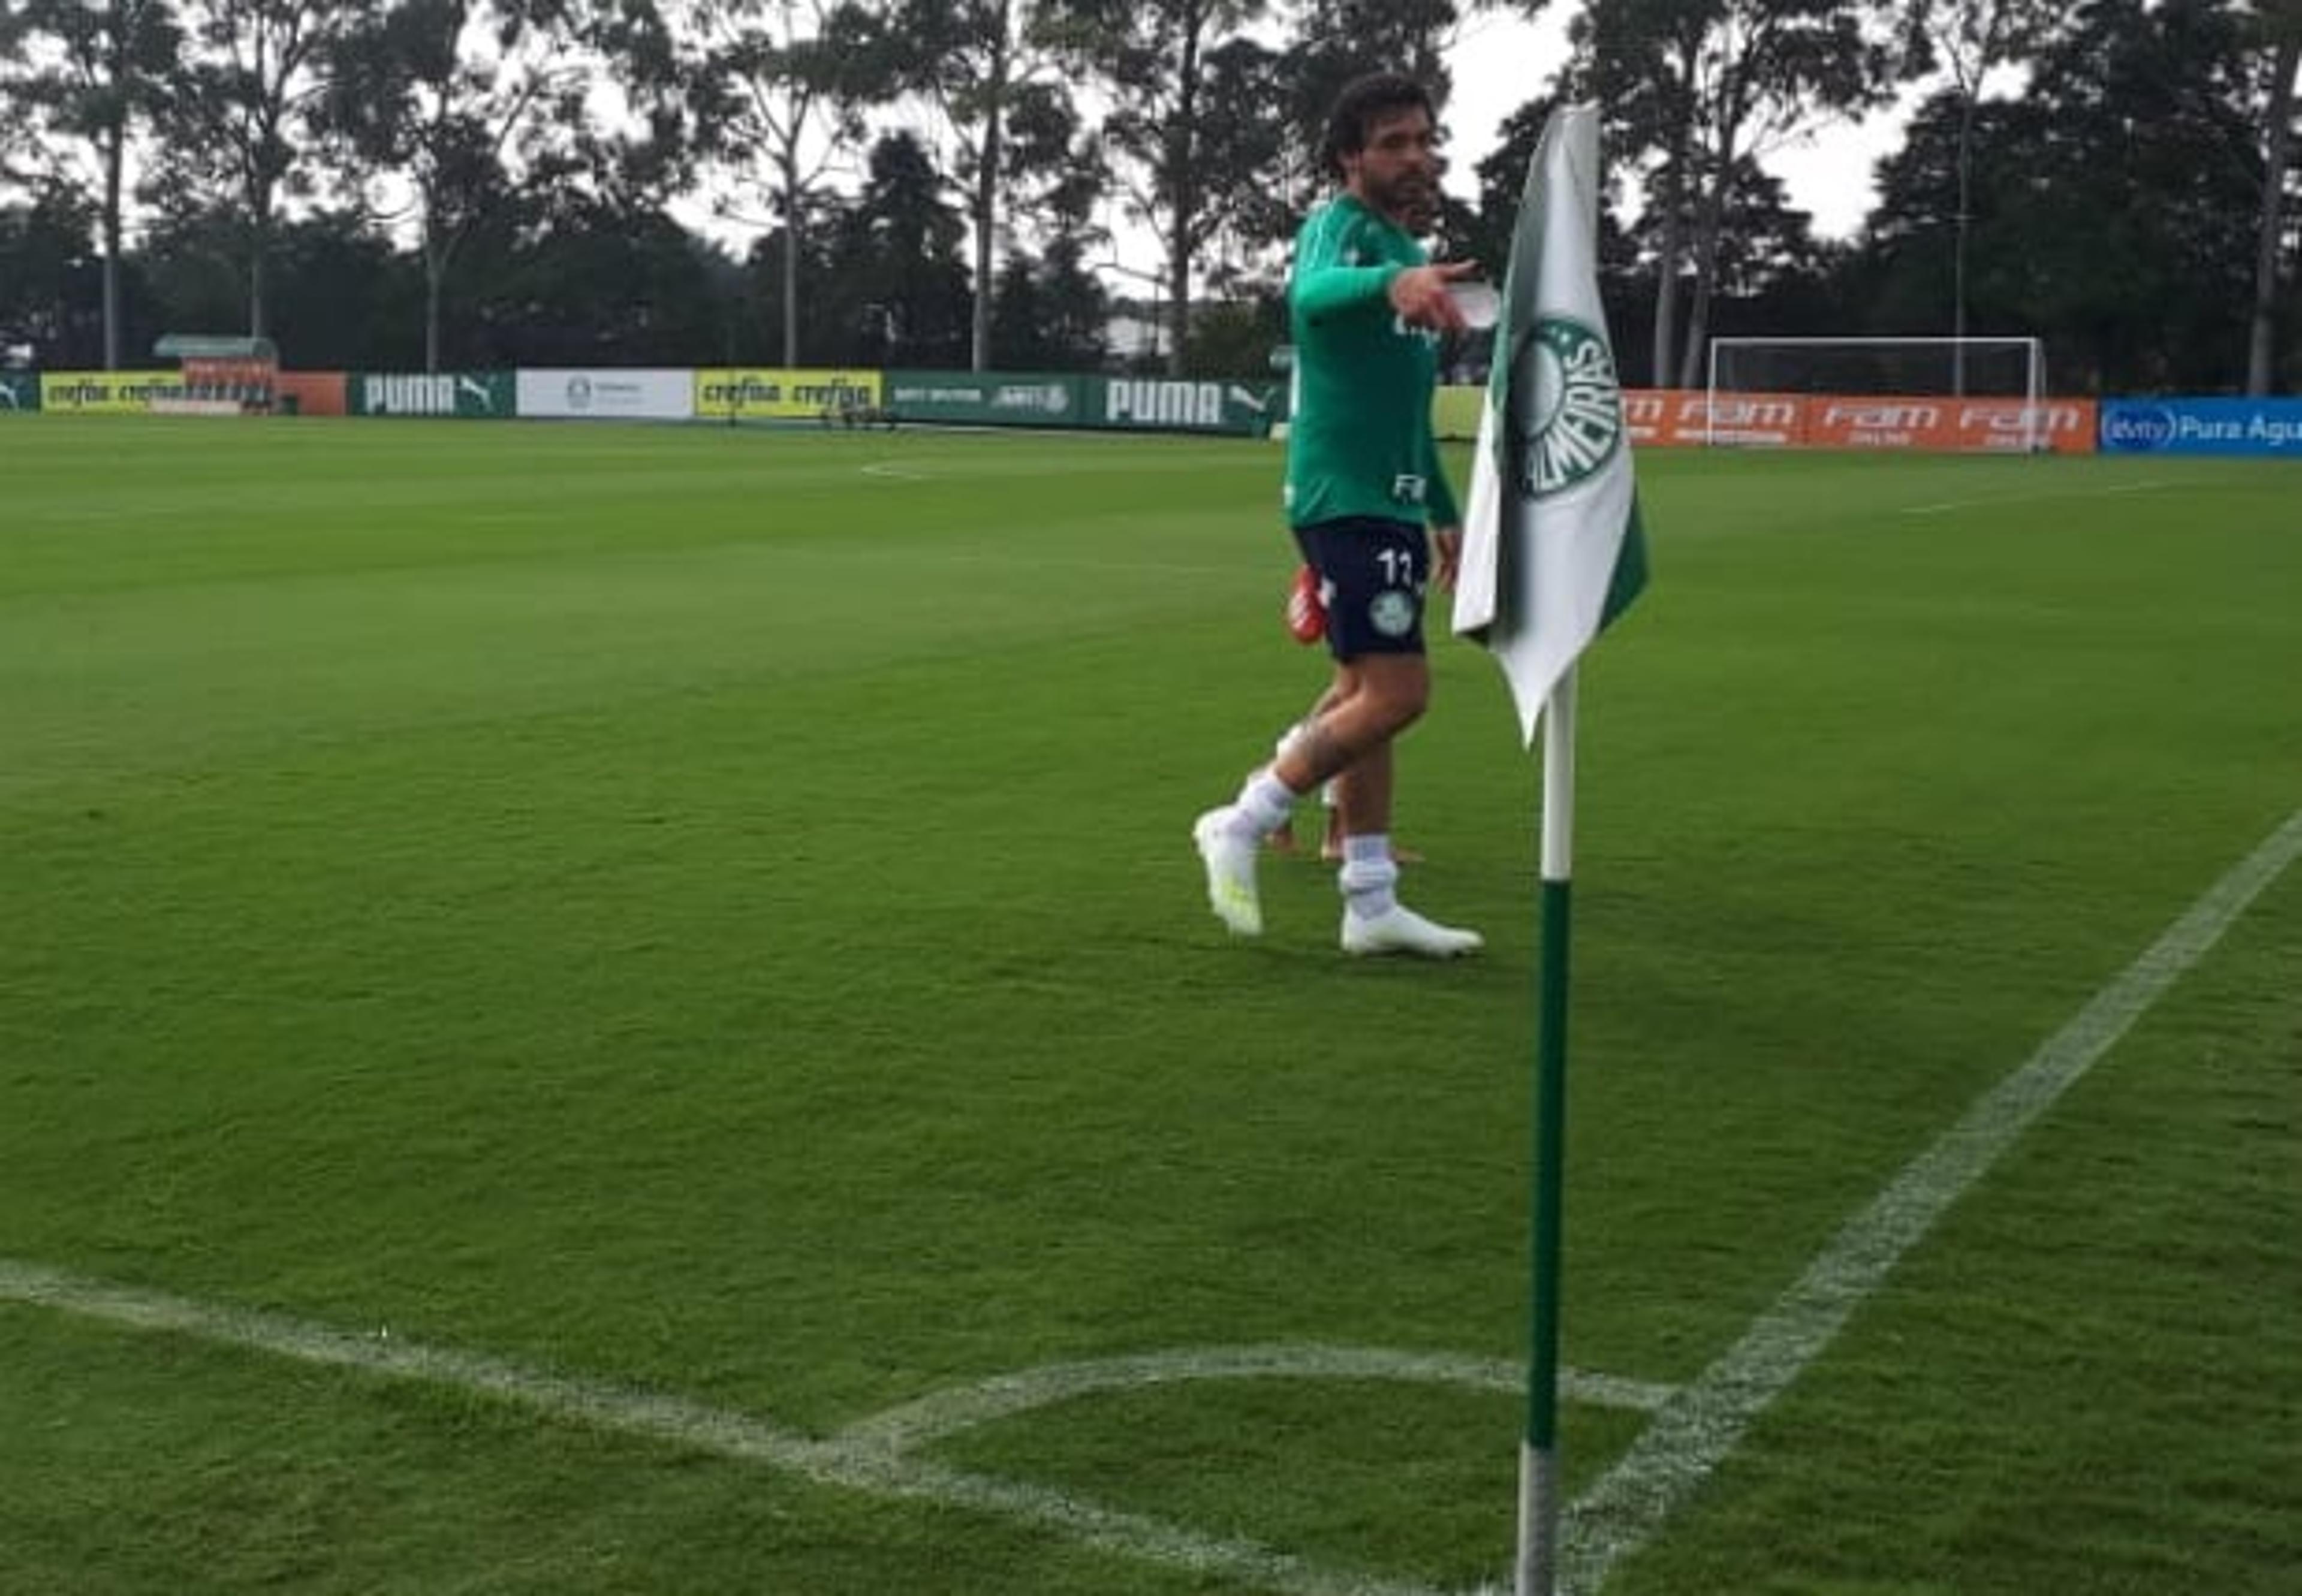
(1367,498)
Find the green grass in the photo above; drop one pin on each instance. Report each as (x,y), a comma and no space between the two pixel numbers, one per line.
(711,911)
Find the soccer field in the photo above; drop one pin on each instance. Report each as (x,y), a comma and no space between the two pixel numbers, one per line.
(600,1010)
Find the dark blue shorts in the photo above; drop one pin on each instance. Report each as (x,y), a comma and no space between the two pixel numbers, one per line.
(1373,573)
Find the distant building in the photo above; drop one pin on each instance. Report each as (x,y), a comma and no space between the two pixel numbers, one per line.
(1135,330)
(1137,334)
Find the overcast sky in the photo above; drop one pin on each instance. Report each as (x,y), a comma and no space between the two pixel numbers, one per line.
(1502,61)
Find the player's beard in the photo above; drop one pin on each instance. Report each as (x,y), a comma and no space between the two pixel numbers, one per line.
(1411,200)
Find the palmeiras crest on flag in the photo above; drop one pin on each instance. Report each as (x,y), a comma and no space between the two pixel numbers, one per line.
(1574,421)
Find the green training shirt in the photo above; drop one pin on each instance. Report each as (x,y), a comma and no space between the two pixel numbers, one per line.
(1358,439)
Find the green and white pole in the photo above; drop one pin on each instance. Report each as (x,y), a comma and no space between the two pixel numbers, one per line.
(1540,1481)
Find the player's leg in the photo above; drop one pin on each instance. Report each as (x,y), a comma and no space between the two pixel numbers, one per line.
(1375,573)
(1374,921)
(1281,839)
(1375,626)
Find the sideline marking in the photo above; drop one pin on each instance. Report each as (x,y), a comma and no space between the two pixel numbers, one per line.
(1699,1427)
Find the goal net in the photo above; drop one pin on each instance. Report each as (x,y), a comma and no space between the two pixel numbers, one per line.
(1981,393)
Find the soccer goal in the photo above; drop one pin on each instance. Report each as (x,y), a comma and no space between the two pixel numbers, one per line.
(1980,393)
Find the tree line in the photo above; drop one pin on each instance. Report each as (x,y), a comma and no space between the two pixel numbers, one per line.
(430,184)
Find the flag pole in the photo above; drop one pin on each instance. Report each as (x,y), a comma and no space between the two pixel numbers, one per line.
(1553,550)
(1539,1483)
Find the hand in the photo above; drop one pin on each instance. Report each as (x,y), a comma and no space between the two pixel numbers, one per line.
(1419,294)
(1447,541)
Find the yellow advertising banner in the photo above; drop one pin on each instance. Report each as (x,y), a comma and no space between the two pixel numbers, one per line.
(108,392)
(769,393)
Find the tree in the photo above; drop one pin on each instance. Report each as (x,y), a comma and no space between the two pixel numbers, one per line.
(1049,312)
(601,275)
(341,296)
(190,259)
(1198,118)
(780,84)
(1334,41)
(1694,91)
(43,260)
(1643,65)
(1969,39)
(898,291)
(2279,33)
(238,129)
(1000,74)
(444,94)
(1773,276)
(17,148)
(1238,339)
(2114,205)
(101,68)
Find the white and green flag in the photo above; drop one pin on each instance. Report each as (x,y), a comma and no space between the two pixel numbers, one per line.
(1552,552)
(1552,545)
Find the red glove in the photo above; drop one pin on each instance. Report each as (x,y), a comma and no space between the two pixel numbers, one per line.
(1306,616)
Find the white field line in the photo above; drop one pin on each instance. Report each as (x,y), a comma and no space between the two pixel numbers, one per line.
(1694,1429)
(949,1412)
(1699,1427)
(1991,501)
(869,1456)
(679,1422)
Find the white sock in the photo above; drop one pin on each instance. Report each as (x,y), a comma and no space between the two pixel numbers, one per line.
(1263,805)
(1287,740)
(1369,876)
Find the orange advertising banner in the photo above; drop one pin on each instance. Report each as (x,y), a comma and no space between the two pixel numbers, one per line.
(316,392)
(2000,426)
(1668,418)
(1672,416)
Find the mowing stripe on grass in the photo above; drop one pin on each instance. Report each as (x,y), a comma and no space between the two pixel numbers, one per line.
(1695,1428)
(1699,1427)
(1992,501)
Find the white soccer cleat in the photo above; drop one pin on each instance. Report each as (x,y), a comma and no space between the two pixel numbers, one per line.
(1399,929)
(1230,873)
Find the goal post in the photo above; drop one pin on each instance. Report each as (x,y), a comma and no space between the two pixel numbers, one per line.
(2010,371)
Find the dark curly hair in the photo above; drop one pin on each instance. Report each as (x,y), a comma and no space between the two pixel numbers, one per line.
(1363,102)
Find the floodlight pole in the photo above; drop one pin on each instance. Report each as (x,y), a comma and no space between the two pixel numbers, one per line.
(1540,1478)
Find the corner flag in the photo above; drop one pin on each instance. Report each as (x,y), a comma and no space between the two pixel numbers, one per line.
(1552,548)
(1552,551)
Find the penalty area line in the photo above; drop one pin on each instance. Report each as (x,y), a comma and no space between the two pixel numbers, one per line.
(1700,1427)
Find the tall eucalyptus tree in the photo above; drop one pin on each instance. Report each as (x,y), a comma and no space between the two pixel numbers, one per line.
(1968,39)
(1002,75)
(1693,90)
(1198,122)
(777,91)
(240,129)
(82,77)
(2278,25)
(457,99)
